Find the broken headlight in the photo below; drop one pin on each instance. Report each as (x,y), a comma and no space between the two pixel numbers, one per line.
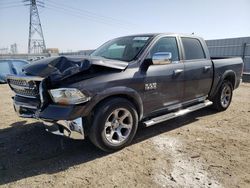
(68,96)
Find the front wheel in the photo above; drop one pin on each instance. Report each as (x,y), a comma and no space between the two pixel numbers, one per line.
(114,125)
(223,98)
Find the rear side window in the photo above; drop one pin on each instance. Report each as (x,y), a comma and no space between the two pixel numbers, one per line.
(193,49)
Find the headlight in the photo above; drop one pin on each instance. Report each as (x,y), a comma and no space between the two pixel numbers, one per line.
(68,96)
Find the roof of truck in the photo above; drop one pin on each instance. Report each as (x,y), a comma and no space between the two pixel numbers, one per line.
(172,34)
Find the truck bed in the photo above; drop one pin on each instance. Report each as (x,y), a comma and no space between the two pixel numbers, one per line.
(226,64)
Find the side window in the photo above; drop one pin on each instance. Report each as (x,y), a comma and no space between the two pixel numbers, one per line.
(192,49)
(166,44)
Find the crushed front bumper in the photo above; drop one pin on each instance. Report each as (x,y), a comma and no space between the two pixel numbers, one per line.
(59,120)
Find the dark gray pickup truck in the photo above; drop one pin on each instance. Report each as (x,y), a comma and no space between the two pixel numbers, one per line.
(148,78)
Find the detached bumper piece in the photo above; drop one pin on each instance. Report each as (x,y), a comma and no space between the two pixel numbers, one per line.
(71,129)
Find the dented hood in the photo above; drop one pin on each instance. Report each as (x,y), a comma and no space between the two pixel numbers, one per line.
(62,67)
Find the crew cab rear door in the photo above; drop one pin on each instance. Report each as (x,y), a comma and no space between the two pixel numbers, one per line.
(198,68)
(164,83)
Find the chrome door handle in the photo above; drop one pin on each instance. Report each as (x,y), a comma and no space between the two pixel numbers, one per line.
(206,68)
(178,71)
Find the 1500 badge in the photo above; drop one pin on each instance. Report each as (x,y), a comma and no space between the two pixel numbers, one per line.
(150,86)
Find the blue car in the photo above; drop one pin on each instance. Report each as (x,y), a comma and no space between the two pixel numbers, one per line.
(10,67)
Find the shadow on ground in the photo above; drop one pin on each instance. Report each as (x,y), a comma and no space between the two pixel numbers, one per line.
(27,150)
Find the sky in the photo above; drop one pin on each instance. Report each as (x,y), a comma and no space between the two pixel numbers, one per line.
(73,25)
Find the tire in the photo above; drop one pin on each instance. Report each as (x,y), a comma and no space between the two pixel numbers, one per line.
(114,125)
(223,97)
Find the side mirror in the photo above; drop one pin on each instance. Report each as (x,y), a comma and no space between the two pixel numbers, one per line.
(162,58)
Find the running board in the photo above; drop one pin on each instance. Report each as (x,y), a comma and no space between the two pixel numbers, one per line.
(172,115)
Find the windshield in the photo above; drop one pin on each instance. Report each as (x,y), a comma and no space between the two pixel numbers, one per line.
(124,48)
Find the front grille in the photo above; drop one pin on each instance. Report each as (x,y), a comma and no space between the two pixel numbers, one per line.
(26,92)
(26,88)
(18,82)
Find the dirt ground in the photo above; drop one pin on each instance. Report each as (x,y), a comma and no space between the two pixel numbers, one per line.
(202,149)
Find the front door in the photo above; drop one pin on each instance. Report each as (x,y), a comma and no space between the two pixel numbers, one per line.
(163,83)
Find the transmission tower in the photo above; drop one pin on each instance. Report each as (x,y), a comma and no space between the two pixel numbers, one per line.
(36,40)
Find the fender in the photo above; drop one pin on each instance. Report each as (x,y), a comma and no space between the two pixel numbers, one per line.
(116,91)
(215,88)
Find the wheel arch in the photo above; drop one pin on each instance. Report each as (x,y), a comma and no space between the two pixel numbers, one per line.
(227,75)
(118,92)
(231,77)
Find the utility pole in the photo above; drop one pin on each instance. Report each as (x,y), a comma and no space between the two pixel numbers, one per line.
(36,42)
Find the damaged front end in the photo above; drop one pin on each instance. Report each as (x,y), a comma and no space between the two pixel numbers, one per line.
(29,102)
(34,99)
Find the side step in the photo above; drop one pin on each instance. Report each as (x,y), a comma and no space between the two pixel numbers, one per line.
(181,112)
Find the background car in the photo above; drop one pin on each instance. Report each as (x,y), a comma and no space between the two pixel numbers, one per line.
(10,66)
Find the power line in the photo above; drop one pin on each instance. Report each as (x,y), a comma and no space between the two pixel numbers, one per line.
(3,1)
(89,13)
(4,4)
(36,43)
(10,2)
(13,6)
(80,15)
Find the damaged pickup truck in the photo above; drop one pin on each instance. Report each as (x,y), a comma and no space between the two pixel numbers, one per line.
(146,79)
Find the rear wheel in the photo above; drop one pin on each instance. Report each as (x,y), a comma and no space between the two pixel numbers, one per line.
(223,98)
(114,125)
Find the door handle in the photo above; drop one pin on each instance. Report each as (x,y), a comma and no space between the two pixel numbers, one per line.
(178,71)
(206,68)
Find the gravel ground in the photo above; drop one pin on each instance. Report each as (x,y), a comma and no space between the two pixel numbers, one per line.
(202,149)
